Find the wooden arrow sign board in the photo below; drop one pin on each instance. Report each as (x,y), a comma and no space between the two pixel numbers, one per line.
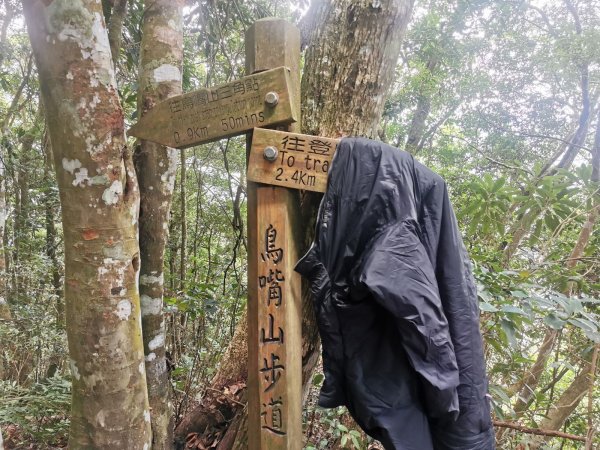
(210,114)
(301,162)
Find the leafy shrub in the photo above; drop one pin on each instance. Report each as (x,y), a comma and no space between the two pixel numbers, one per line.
(40,411)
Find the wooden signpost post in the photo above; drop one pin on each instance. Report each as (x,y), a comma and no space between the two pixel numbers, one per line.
(274,297)
(277,160)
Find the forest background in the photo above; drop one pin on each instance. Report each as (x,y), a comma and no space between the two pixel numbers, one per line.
(502,98)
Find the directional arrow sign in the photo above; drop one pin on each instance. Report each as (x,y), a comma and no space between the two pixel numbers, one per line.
(228,110)
(297,161)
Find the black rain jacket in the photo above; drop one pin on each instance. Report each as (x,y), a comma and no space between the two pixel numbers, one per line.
(396,304)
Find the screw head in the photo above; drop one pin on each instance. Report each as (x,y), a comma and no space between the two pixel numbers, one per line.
(271,98)
(270,153)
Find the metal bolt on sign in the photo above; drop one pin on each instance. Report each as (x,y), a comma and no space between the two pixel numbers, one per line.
(270,153)
(271,98)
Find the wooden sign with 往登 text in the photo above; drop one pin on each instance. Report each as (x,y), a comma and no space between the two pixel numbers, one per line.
(300,162)
(223,111)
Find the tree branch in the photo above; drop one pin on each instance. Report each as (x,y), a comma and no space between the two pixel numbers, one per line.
(495,161)
(538,431)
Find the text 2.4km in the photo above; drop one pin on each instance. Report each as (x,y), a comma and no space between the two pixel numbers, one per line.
(299,177)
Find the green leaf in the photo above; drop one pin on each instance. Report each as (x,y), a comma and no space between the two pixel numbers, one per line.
(584,324)
(573,306)
(498,184)
(535,236)
(551,221)
(487,307)
(344,440)
(513,310)
(318,379)
(509,331)
(554,322)
(519,294)
(498,392)
(593,336)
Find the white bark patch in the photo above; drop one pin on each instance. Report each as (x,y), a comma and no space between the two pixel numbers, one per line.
(94,147)
(81,176)
(166,72)
(91,380)
(151,357)
(141,368)
(133,210)
(158,368)
(152,279)
(168,176)
(158,341)
(74,370)
(100,53)
(123,309)
(100,417)
(150,306)
(147,417)
(71,21)
(95,101)
(72,29)
(145,446)
(70,165)
(93,79)
(114,253)
(112,271)
(111,195)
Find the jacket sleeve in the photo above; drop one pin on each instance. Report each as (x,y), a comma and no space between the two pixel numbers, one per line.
(395,270)
(458,295)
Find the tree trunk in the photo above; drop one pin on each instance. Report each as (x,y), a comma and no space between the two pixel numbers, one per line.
(5,313)
(10,114)
(115,28)
(565,405)
(417,125)
(350,63)
(99,198)
(349,68)
(160,78)
(50,219)
(182,256)
(588,227)
(21,223)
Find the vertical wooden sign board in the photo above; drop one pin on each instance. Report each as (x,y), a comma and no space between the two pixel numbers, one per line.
(274,301)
